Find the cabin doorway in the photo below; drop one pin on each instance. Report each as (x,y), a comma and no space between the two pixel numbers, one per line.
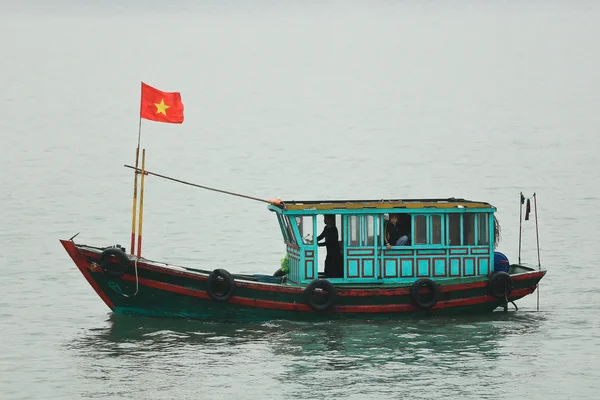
(322,250)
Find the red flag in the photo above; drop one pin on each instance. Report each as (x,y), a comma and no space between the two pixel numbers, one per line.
(161,106)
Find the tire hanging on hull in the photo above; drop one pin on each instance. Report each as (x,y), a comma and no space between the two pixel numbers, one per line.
(327,293)
(215,279)
(425,301)
(500,285)
(114,261)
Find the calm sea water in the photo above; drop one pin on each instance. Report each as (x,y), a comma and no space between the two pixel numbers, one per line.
(298,100)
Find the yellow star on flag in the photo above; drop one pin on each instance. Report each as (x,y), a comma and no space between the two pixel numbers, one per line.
(161,108)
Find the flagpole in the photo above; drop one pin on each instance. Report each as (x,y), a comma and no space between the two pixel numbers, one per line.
(135,179)
(140,126)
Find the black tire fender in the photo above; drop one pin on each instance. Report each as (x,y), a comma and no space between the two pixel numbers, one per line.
(500,285)
(325,286)
(213,281)
(417,297)
(114,261)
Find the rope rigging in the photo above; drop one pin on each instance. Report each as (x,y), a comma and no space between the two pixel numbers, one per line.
(276,202)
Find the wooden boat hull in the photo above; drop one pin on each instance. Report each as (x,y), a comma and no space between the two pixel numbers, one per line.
(155,289)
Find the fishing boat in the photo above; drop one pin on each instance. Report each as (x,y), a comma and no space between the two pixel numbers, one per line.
(383,258)
(444,263)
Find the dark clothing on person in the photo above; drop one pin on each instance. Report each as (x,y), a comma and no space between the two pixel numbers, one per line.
(396,231)
(333,261)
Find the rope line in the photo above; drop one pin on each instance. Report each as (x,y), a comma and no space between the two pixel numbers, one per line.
(136,278)
(268,201)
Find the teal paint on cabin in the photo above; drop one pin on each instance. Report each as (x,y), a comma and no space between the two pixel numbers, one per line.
(396,251)
(469,266)
(446,243)
(390,269)
(431,252)
(484,266)
(353,268)
(368,268)
(407,268)
(423,268)
(455,267)
(359,252)
(439,267)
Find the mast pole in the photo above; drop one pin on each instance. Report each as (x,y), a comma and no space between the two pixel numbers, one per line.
(537,236)
(135,179)
(521,200)
(139,244)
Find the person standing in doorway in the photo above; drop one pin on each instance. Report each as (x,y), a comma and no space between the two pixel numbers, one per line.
(333,264)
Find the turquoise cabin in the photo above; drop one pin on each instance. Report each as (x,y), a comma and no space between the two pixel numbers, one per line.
(449,238)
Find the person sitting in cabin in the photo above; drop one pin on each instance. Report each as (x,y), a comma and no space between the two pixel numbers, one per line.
(333,264)
(396,234)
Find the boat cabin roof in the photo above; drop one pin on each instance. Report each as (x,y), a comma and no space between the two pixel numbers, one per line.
(382,205)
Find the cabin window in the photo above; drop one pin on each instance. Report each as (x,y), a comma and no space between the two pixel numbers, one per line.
(420,223)
(436,229)
(428,229)
(299,223)
(361,230)
(353,230)
(461,229)
(319,222)
(382,221)
(305,227)
(368,230)
(469,229)
(483,237)
(286,229)
(290,230)
(453,221)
